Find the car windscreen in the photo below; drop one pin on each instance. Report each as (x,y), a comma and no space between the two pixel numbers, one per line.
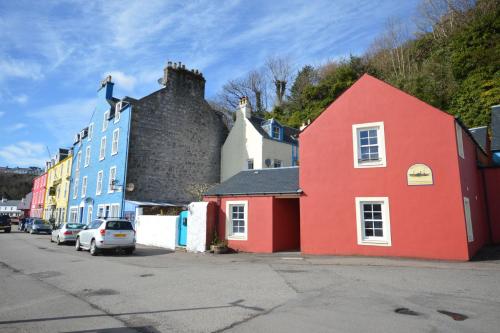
(40,222)
(74,226)
(119,225)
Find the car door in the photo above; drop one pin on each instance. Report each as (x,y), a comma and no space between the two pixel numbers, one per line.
(85,235)
(55,232)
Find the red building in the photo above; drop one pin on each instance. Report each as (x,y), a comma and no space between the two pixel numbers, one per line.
(38,195)
(257,210)
(385,174)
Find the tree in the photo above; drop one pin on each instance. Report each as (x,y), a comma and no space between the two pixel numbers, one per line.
(279,69)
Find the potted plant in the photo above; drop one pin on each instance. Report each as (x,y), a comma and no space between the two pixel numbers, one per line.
(218,246)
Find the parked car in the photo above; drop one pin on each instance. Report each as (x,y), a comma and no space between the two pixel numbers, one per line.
(65,232)
(5,223)
(38,226)
(28,223)
(22,223)
(106,234)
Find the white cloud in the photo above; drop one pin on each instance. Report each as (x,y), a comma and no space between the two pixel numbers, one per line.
(62,121)
(15,127)
(20,99)
(24,153)
(13,68)
(126,82)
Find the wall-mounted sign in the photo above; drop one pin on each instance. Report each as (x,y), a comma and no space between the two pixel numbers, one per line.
(420,174)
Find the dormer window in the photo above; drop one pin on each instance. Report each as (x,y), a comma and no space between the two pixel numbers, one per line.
(276,132)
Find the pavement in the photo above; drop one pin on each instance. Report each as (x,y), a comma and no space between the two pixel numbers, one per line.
(50,288)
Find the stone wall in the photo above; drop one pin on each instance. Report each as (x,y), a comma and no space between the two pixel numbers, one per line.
(175,140)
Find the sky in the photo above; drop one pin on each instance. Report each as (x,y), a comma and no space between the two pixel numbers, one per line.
(53,54)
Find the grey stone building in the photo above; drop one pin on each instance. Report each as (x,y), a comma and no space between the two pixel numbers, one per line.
(175,140)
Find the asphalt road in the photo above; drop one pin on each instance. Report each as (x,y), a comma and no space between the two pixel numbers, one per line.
(50,288)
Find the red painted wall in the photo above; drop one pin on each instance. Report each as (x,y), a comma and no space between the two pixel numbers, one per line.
(38,190)
(260,224)
(426,221)
(286,226)
(492,180)
(473,188)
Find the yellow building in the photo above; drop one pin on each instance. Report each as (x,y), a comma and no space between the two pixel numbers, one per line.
(57,193)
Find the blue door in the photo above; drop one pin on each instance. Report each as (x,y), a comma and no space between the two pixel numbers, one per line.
(183,218)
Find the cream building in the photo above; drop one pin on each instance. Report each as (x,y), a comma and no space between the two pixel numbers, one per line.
(58,181)
(256,143)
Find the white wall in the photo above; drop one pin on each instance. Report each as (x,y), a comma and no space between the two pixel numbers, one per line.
(197,227)
(277,150)
(155,230)
(243,142)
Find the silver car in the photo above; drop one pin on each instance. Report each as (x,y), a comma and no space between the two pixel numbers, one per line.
(66,232)
(111,233)
(38,226)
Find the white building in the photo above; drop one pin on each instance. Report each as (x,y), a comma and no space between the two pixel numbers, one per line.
(9,207)
(256,143)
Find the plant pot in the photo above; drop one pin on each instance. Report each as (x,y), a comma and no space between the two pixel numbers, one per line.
(219,249)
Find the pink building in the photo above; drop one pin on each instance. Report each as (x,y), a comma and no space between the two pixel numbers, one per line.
(38,199)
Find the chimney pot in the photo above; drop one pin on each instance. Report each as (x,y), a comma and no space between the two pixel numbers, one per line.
(169,64)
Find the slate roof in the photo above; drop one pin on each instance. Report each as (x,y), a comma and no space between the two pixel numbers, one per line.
(495,127)
(289,133)
(480,134)
(9,203)
(260,181)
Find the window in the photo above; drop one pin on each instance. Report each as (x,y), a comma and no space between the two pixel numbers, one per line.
(372,215)
(89,214)
(99,183)
(106,211)
(114,145)
(100,211)
(105,121)
(115,210)
(460,141)
(112,177)
(102,150)
(277,163)
(250,164)
(84,186)
(236,219)
(87,156)
(91,131)
(369,145)
(276,132)
(468,220)
(78,160)
(75,188)
(73,214)
(68,169)
(118,108)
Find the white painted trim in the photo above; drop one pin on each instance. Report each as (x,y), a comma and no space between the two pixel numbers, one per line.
(468,220)
(110,189)
(97,190)
(386,221)
(105,121)
(101,149)
(229,224)
(90,133)
(114,152)
(118,108)
(87,156)
(381,145)
(460,140)
(84,181)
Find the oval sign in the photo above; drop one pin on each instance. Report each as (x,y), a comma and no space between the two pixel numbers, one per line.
(420,174)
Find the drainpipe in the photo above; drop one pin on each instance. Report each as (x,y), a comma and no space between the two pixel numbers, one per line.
(487,207)
(125,171)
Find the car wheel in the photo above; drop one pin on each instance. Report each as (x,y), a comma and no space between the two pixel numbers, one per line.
(77,244)
(129,250)
(93,248)
(58,241)
(51,239)
(7,230)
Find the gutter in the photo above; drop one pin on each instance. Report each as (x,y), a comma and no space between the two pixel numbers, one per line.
(297,193)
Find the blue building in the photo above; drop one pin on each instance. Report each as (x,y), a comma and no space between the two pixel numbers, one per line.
(99,160)
(148,152)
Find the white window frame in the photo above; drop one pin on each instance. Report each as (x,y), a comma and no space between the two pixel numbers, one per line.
(117,207)
(78,160)
(99,208)
(90,210)
(250,160)
(105,121)
(73,214)
(102,148)
(468,220)
(272,132)
(87,157)
(98,187)
(75,188)
(356,129)
(229,222)
(84,186)
(386,222)
(280,162)
(118,108)
(114,141)
(460,141)
(112,172)
(90,132)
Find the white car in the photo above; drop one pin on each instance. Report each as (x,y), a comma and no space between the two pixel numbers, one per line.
(111,233)
(65,232)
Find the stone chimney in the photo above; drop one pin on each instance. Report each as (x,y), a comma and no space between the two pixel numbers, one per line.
(179,80)
(245,108)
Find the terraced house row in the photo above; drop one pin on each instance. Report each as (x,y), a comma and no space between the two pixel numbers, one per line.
(381,173)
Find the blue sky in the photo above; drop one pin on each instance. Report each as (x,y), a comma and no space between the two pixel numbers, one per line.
(53,54)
